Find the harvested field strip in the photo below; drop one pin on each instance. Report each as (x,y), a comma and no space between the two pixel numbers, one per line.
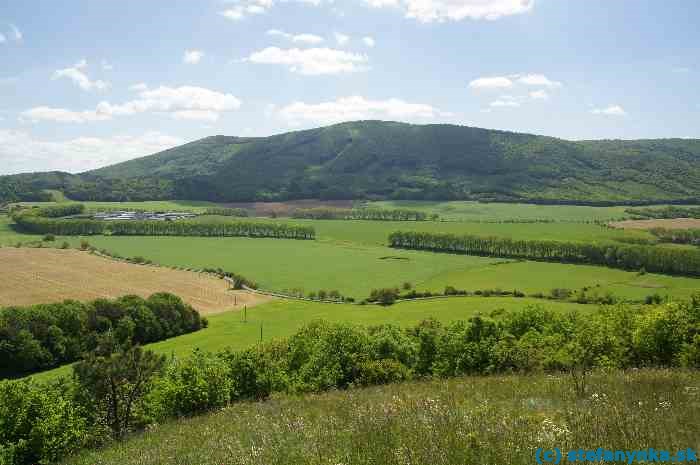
(32,276)
(676,223)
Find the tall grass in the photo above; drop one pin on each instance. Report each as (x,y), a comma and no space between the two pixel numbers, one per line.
(473,420)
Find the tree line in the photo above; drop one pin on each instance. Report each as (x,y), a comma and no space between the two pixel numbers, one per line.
(373,214)
(41,337)
(35,221)
(220,211)
(677,236)
(119,389)
(627,257)
(668,212)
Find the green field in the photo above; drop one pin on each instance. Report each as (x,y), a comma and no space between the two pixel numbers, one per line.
(155,205)
(283,317)
(377,232)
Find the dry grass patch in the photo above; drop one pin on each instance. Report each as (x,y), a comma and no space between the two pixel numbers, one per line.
(675,223)
(32,276)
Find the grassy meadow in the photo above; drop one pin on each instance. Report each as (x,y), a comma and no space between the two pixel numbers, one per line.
(486,420)
(283,318)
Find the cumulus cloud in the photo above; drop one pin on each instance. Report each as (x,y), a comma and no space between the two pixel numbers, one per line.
(496,82)
(356,108)
(21,152)
(341,38)
(539,95)
(106,66)
(539,80)
(368,41)
(311,61)
(504,102)
(192,57)
(185,102)
(3,39)
(305,38)
(610,110)
(455,10)
(77,74)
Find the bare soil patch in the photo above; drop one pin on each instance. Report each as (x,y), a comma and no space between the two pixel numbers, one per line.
(32,276)
(286,208)
(676,223)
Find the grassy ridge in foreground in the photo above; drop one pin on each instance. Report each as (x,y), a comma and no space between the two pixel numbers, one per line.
(283,318)
(500,419)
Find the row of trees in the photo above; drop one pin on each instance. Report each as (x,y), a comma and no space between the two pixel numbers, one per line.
(668,212)
(220,211)
(41,337)
(628,257)
(119,389)
(34,222)
(374,214)
(678,236)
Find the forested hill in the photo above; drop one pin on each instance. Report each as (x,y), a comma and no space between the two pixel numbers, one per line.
(373,159)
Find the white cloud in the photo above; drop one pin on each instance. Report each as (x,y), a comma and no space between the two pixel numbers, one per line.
(611,110)
(21,152)
(16,33)
(539,80)
(455,10)
(305,38)
(369,41)
(81,79)
(496,82)
(681,69)
(106,66)
(341,38)
(356,108)
(192,57)
(539,95)
(3,39)
(61,115)
(185,102)
(311,61)
(139,87)
(506,101)
(246,8)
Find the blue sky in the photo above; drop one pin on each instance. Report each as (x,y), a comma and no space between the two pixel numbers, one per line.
(87,83)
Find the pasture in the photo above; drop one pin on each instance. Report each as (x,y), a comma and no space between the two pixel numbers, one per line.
(42,275)
(470,420)
(282,318)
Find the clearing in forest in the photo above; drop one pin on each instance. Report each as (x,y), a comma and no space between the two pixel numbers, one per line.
(35,275)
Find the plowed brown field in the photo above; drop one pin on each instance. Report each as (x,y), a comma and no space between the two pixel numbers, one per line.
(31,276)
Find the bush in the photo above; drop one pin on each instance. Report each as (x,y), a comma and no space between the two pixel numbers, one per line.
(384,297)
(49,238)
(38,424)
(196,384)
(65,245)
(376,372)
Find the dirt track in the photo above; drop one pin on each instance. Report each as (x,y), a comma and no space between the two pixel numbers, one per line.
(677,223)
(31,276)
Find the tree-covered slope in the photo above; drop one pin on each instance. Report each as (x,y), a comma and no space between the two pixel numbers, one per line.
(374,159)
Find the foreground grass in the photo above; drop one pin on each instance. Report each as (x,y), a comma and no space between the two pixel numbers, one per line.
(484,420)
(283,318)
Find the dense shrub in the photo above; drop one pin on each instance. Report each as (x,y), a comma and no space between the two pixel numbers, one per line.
(38,424)
(45,336)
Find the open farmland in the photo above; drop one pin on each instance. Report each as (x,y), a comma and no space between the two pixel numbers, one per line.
(42,275)
(674,223)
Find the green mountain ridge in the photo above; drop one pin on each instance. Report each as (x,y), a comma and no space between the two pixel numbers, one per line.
(380,160)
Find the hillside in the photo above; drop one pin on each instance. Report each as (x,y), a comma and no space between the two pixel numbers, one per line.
(374,159)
